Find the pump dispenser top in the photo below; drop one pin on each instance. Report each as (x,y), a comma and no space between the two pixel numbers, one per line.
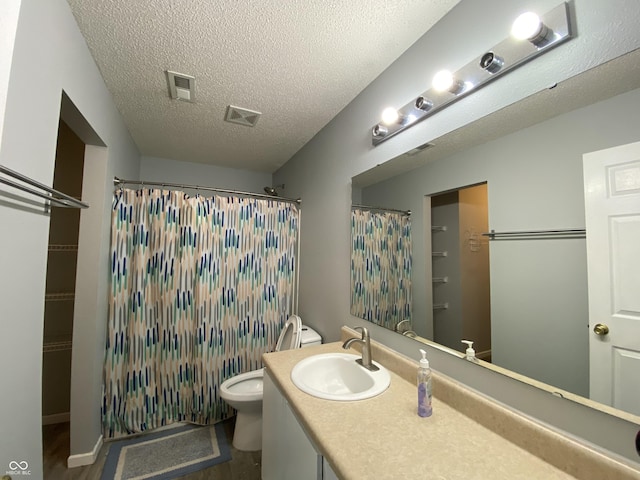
(470,353)
(424,363)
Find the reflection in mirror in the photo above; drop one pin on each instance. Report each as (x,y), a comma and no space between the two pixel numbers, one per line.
(381,266)
(460,269)
(530,158)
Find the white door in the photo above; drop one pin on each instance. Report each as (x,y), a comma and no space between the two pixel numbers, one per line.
(612,208)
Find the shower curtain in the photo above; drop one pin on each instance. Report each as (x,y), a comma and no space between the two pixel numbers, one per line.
(200,289)
(381,266)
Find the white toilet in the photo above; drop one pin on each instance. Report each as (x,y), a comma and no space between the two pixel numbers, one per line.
(244,391)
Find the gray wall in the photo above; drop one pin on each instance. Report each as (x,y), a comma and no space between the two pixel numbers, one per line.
(321,172)
(172,171)
(49,56)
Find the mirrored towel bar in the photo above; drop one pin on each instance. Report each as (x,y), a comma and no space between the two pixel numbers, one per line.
(55,197)
(561,233)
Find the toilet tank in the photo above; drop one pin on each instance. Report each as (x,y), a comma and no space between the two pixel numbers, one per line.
(309,337)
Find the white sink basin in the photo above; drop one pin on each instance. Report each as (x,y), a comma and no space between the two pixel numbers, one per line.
(337,376)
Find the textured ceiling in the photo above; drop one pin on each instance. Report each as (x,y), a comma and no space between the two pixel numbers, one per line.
(298,62)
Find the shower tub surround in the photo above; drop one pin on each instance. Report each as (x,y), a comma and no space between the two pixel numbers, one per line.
(468,436)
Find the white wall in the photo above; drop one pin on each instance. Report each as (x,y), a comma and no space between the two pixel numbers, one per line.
(321,173)
(50,56)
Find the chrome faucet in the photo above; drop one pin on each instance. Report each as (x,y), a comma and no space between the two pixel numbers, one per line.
(400,325)
(365,361)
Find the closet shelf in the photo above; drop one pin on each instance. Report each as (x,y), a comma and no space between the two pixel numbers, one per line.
(57,345)
(57,297)
(63,248)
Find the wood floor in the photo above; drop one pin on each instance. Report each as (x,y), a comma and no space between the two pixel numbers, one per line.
(242,466)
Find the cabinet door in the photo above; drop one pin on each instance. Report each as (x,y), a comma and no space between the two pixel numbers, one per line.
(273,447)
(287,452)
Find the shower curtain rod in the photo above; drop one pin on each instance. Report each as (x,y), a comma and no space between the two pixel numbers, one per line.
(370,207)
(119,181)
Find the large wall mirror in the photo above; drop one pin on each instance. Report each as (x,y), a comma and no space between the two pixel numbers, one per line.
(522,300)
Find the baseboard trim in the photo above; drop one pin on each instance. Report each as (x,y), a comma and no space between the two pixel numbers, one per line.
(82,459)
(55,418)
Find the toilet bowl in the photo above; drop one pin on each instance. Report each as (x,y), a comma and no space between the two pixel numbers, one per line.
(244,391)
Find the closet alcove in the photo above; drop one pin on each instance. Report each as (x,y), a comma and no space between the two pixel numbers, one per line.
(61,280)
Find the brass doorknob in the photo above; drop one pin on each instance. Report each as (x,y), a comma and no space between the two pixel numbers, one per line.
(601,329)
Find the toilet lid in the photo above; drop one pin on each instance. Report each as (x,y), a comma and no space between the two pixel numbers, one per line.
(290,336)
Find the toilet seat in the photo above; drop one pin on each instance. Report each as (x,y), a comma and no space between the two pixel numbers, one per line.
(291,335)
(245,387)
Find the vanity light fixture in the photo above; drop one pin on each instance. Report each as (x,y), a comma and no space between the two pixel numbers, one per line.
(491,62)
(379,131)
(423,104)
(541,32)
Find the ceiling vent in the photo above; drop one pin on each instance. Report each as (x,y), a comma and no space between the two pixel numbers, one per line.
(242,116)
(181,86)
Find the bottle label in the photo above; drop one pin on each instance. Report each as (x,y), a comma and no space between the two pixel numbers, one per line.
(424,399)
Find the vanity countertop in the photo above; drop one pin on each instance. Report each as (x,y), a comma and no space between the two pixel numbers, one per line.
(383,437)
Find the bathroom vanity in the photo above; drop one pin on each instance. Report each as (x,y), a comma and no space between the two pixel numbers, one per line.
(287,451)
(467,437)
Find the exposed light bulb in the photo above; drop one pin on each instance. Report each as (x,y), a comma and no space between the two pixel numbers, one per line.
(443,80)
(526,26)
(390,116)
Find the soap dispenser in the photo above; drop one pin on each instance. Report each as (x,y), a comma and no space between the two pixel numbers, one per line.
(424,387)
(470,353)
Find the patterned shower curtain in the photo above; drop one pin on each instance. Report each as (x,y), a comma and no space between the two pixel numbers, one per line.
(381,266)
(200,289)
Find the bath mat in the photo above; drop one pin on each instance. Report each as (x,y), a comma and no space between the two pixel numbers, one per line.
(167,454)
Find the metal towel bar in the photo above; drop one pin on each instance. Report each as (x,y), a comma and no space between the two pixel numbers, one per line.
(560,233)
(56,198)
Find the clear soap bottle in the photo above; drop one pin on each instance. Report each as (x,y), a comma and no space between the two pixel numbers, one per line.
(424,387)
